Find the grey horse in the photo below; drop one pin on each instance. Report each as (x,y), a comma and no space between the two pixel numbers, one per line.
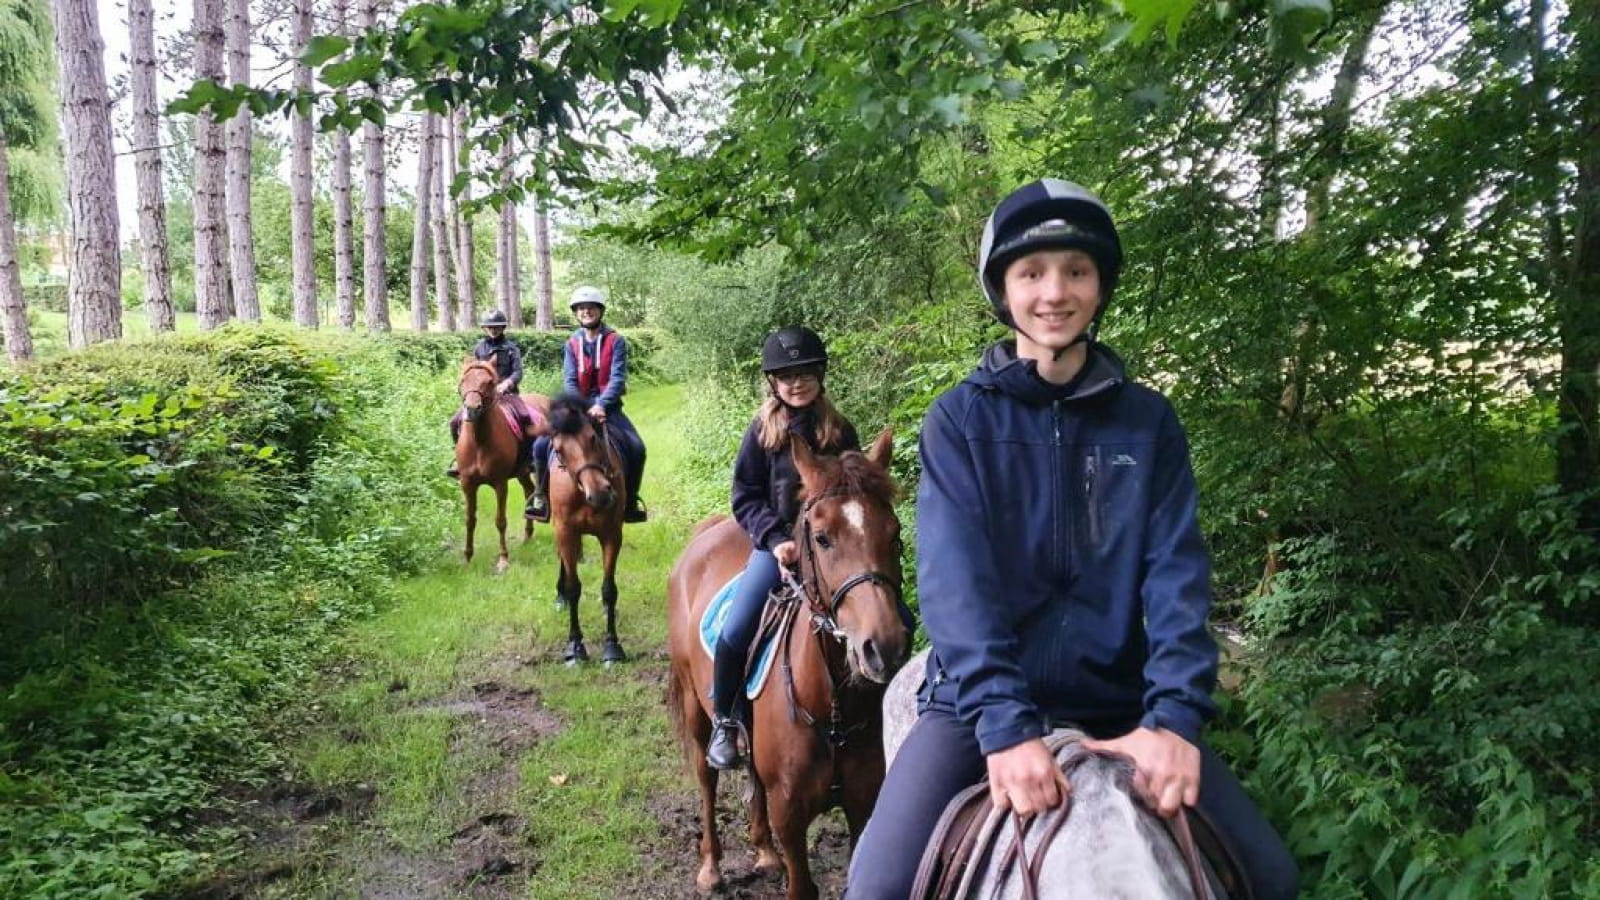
(1109,846)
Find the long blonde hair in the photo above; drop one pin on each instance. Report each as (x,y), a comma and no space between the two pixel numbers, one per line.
(774,419)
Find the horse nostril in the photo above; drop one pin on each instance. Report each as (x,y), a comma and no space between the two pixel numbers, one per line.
(870,655)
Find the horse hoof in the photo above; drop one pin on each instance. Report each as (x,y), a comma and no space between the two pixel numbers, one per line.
(709,880)
(501,566)
(612,653)
(576,653)
(767,861)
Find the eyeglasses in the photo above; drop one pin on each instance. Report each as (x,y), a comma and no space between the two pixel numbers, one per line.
(795,379)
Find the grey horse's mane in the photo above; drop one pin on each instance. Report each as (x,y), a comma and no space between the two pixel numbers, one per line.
(1110,845)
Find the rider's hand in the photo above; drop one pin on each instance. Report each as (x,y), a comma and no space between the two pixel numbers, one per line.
(787,553)
(1166,767)
(1026,778)
(503,387)
(597,413)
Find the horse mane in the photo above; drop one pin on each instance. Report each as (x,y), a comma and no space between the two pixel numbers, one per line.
(852,473)
(568,413)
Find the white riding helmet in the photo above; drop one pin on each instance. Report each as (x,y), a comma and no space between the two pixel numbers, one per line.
(587,294)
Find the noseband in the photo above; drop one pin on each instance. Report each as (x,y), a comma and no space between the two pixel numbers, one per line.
(824,614)
(603,435)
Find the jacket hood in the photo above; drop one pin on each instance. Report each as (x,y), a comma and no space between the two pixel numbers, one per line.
(1002,370)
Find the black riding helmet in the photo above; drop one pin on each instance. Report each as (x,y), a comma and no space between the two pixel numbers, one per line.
(1048,214)
(495,319)
(792,347)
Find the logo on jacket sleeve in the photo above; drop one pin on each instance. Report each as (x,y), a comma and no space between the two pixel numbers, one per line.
(1123,459)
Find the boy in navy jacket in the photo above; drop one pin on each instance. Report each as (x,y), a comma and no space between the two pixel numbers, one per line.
(1060,566)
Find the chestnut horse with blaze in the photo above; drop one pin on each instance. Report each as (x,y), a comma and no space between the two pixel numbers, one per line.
(816,728)
(588,497)
(489,448)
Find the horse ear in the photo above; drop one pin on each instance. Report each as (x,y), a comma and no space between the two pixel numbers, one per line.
(805,462)
(882,449)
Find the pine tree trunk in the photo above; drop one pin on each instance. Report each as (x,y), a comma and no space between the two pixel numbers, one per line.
(241,241)
(344,254)
(13,306)
(464,269)
(94,260)
(1578,409)
(545,315)
(440,225)
(373,252)
(419,230)
(506,262)
(147,168)
(301,224)
(210,237)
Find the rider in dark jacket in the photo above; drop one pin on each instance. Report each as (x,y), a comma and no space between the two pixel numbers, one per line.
(507,365)
(1060,565)
(766,503)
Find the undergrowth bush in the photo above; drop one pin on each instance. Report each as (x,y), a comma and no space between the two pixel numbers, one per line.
(131,702)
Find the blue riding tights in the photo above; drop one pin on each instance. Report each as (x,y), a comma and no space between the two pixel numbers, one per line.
(940,757)
(739,629)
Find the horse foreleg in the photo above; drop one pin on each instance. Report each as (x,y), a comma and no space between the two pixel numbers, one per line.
(612,652)
(471,492)
(571,590)
(791,817)
(527,496)
(504,562)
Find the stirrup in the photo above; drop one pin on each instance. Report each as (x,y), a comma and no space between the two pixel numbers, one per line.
(732,729)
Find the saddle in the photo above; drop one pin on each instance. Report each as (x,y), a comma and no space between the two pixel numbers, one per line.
(970,828)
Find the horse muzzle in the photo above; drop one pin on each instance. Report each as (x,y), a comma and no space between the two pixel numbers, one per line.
(473,413)
(877,659)
(600,500)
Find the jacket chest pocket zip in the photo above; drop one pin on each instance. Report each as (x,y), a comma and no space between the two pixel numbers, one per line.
(1056,472)
(1091,499)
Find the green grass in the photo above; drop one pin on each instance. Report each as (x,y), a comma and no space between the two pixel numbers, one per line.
(583,790)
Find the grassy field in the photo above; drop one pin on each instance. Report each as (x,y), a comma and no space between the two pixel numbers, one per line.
(452,753)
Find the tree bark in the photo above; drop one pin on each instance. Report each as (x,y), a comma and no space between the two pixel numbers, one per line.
(419,231)
(506,264)
(440,224)
(301,224)
(469,303)
(241,242)
(13,306)
(94,273)
(344,254)
(545,315)
(1578,409)
(373,251)
(210,237)
(147,168)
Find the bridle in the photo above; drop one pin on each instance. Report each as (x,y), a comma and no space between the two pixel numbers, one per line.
(603,435)
(824,608)
(487,397)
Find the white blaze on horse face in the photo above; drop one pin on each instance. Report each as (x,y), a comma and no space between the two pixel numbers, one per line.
(856,515)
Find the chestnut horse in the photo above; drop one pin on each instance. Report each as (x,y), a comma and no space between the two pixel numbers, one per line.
(489,452)
(815,730)
(587,496)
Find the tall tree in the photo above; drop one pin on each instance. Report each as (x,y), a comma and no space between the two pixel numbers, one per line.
(302,260)
(468,315)
(544,318)
(241,243)
(373,255)
(344,254)
(440,225)
(506,286)
(27,119)
(94,274)
(1578,410)
(147,168)
(419,231)
(210,162)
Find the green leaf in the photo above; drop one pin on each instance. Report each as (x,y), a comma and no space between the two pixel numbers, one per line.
(948,108)
(617,10)
(322,48)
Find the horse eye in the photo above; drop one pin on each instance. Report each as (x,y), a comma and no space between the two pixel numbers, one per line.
(824,542)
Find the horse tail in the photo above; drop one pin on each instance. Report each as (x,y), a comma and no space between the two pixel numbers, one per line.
(707,523)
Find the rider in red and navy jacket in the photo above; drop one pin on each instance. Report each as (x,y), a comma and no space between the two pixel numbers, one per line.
(594,365)
(1060,566)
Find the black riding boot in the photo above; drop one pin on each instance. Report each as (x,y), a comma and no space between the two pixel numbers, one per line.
(455,438)
(727,678)
(538,508)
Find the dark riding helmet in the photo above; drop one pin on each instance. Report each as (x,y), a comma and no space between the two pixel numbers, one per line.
(1048,214)
(495,319)
(792,347)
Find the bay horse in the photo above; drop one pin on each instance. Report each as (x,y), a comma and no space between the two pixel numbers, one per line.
(489,448)
(1102,842)
(815,731)
(589,498)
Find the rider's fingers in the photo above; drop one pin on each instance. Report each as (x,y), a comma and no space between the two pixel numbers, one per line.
(1191,793)
(1171,799)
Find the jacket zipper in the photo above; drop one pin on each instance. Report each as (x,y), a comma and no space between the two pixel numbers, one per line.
(1056,469)
(1091,472)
